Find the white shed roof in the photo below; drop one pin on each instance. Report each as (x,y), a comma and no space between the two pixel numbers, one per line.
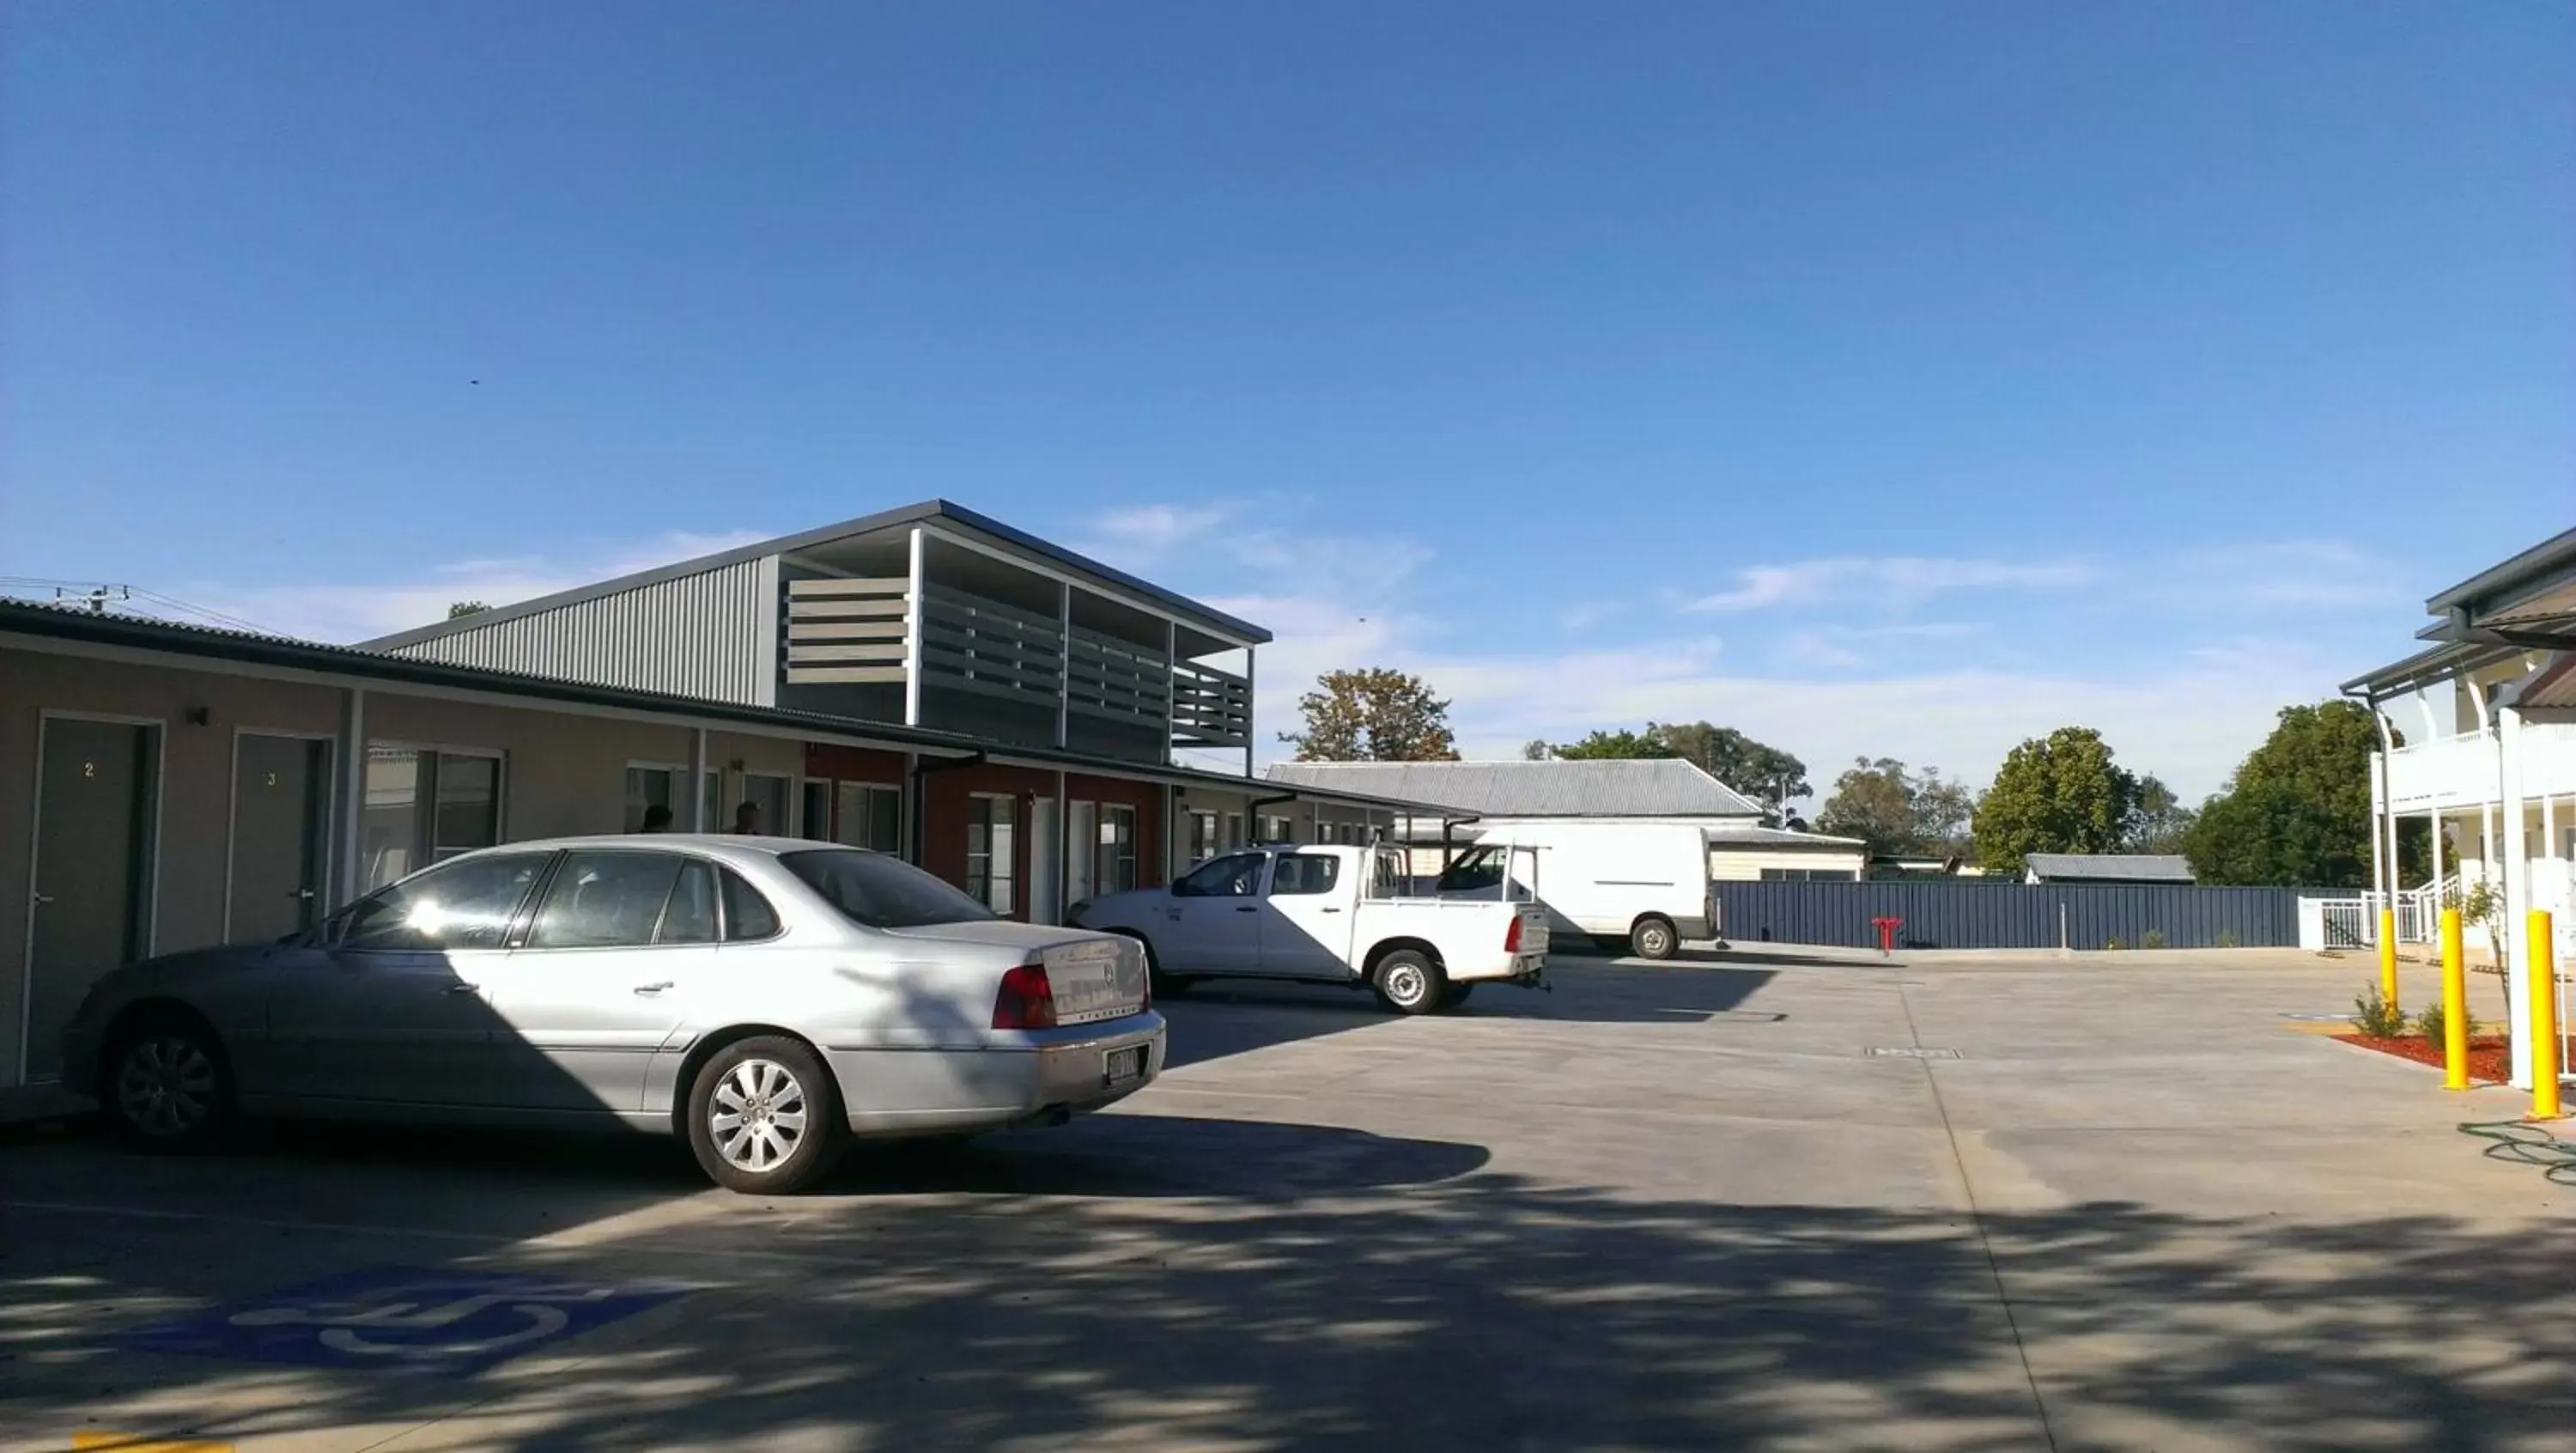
(1641,787)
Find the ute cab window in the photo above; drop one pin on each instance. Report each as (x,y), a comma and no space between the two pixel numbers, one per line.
(1237,876)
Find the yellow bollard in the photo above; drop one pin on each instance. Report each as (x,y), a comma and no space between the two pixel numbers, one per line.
(2455,1005)
(2544,1018)
(2388,957)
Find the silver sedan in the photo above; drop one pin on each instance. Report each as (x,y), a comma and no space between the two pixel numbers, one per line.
(767,998)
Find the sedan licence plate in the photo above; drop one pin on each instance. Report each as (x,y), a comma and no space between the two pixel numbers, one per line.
(1123,1065)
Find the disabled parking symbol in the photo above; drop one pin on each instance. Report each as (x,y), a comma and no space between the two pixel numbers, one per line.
(401,1319)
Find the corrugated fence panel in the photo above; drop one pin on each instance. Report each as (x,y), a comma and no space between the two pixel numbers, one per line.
(699,635)
(1971,913)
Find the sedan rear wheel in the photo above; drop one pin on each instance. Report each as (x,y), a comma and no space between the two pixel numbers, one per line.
(765,1118)
(167,1087)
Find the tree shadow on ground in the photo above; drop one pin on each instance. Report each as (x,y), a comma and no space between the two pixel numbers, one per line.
(1213,1021)
(1368,1298)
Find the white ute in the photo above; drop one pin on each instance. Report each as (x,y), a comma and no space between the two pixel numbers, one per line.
(1327,915)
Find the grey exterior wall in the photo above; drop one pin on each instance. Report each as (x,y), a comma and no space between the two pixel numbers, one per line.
(712,635)
(1967,913)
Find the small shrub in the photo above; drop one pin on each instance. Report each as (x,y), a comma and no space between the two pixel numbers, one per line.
(2114,945)
(2226,939)
(2152,938)
(2429,1024)
(2377,1017)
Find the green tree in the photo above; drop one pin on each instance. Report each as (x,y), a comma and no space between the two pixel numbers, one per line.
(1766,774)
(1895,810)
(1760,771)
(458,610)
(1601,746)
(1373,715)
(2158,821)
(2298,809)
(1535,750)
(2055,794)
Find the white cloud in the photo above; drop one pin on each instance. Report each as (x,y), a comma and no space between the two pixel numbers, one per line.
(1154,530)
(1898,579)
(2284,573)
(357,611)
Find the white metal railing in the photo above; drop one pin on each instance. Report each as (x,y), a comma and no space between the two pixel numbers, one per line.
(2461,771)
(2350,923)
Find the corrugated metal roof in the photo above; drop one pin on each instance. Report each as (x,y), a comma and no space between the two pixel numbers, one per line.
(934,510)
(1643,787)
(215,644)
(2127,867)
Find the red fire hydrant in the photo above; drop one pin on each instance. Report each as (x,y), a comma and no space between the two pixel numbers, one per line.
(1887,928)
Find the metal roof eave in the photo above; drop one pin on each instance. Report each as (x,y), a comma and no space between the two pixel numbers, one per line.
(362,667)
(927,511)
(2554,553)
(2423,668)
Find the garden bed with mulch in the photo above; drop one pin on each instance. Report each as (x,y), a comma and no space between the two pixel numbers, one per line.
(2490,1062)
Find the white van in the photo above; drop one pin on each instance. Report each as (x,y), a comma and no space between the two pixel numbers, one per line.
(1640,886)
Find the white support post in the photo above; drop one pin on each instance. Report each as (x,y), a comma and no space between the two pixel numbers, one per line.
(698,782)
(1063,848)
(353,793)
(1251,707)
(2487,806)
(2434,934)
(2517,898)
(912,633)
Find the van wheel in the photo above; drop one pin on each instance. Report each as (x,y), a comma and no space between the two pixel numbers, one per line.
(167,1086)
(765,1117)
(1655,938)
(1408,982)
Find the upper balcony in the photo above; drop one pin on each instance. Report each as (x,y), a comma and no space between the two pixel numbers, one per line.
(2460,772)
(930,616)
(937,630)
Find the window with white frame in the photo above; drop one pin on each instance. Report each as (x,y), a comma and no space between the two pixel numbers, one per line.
(992,848)
(1114,867)
(1234,832)
(425,805)
(814,814)
(1202,840)
(650,785)
(1278,829)
(868,815)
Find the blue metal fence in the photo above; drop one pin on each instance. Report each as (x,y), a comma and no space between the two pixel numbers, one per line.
(1976,913)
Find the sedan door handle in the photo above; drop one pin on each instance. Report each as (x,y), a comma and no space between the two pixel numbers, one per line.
(41,898)
(1248,908)
(1332,910)
(650,989)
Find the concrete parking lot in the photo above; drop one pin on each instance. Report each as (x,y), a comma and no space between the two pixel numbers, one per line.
(1662,1207)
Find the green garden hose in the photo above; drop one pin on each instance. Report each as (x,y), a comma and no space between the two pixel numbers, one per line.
(2523,1143)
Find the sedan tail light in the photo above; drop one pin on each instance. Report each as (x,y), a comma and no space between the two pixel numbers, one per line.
(1027,1000)
(1512,936)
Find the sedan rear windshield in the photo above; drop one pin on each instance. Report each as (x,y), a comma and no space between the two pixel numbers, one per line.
(881,892)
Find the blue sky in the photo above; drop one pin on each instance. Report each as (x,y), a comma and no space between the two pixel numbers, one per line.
(1886,378)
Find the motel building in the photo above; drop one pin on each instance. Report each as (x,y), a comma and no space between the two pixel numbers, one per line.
(2478,735)
(1033,726)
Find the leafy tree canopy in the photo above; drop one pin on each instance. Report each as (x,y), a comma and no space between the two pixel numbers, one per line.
(1762,772)
(2060,793)
(1373,715)
(1897,811)
(2298,809)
